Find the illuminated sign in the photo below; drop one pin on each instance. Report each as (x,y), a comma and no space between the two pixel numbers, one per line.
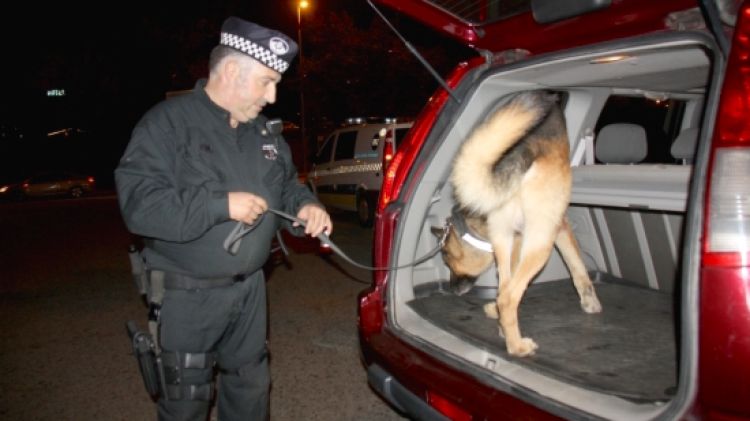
(56,92)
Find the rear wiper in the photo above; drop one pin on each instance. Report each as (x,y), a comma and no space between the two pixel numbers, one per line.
(416,54)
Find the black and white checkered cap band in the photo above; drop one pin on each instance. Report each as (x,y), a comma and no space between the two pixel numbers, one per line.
(255,50)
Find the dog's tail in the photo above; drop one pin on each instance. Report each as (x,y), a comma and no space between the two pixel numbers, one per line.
(474,180)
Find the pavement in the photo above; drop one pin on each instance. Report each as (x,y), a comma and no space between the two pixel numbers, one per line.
(66,293)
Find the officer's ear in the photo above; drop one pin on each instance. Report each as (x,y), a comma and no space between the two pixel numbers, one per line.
(231,68)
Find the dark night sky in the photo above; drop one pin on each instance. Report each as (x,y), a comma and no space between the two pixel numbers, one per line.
(112,61)
(124,44)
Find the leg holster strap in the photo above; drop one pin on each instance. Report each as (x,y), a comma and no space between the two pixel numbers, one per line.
(190,392)
(188,359)
(174,366)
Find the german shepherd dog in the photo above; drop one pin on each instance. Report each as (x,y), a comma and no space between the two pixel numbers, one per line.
(512,182)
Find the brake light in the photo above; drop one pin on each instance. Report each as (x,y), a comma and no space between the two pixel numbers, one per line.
(395,175)
(727,234)
(447,408)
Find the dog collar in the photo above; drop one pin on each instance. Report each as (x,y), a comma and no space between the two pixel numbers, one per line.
(477,243)
(463,231)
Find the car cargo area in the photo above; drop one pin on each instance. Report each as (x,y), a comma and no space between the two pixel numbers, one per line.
(627,215)
(628,351)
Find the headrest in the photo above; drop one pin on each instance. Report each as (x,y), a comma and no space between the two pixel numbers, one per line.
(621,143)
(684,145)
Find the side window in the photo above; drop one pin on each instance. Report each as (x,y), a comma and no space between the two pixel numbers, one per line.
(661,120)
(324,154)
(345,145)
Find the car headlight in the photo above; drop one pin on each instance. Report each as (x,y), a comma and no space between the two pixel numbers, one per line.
(4,189)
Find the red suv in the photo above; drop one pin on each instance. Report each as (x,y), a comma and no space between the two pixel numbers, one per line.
(665,233)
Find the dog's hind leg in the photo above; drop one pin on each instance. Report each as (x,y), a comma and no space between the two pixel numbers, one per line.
(568,247)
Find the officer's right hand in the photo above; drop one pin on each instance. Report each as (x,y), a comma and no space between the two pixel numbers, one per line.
(246,207)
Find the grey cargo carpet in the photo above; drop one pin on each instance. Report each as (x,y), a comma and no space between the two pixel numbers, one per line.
(627,350)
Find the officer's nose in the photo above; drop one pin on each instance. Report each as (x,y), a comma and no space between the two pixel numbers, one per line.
(270,95)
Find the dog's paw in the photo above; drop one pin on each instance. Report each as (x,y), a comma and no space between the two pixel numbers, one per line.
(590,304)
(490,310)
(523,348)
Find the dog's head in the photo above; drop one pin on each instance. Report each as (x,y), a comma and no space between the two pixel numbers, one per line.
(465,261)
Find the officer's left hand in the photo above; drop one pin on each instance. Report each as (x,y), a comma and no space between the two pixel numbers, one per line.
(316,220)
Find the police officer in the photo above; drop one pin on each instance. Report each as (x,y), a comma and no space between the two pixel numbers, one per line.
(196,165)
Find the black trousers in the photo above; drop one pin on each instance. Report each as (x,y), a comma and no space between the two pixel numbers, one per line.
(230,321)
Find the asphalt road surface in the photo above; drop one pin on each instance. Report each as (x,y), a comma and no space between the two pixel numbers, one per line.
(66,293)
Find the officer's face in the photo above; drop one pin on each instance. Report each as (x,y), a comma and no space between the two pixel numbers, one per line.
(255,87)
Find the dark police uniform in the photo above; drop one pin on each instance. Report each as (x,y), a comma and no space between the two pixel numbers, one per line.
(172,185)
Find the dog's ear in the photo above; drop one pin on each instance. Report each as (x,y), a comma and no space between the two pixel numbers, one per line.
(438,231)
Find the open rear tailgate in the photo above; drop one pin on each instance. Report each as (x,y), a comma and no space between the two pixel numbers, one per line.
(516,27)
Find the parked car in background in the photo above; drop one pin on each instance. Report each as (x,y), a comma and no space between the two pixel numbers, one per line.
(656,97)
(349,166)
(58,183)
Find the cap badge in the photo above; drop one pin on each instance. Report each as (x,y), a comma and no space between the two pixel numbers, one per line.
(278,46)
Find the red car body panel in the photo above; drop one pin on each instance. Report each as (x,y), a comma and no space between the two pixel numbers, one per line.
(723,331)
(621,19)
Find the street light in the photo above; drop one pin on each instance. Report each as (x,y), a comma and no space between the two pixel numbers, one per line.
(302,4)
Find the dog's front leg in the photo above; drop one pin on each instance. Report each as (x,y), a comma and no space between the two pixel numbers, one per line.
(505,307)
(502,252)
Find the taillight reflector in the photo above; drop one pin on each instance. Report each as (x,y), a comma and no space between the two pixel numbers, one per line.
(447,408)
(729,213)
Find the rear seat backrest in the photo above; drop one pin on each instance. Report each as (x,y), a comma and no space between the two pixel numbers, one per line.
(621,143)
(683,147)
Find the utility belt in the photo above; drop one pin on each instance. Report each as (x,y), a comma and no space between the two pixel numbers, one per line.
(163,371)
(179,281)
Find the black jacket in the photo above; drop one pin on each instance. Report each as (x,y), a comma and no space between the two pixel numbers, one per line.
(173,179)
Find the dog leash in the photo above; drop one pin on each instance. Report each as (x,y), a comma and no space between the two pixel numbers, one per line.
(232,242)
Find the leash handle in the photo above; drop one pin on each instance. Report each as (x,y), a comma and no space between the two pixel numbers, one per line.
(232,243)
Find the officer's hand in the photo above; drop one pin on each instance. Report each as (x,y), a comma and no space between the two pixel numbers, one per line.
(316,220)
(246,207)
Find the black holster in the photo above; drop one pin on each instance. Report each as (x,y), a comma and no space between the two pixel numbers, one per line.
(149,363)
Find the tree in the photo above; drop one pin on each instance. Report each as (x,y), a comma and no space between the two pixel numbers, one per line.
(352,71)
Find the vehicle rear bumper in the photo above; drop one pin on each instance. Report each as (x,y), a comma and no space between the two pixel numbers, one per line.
(399,396)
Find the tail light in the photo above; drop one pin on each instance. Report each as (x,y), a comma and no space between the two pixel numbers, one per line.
(447,408)
(727,239)
(90,180)
(724,356)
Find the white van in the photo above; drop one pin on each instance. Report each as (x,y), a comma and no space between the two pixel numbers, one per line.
(348,168)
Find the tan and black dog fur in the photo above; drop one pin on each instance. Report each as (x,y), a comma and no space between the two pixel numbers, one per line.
(512,182)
